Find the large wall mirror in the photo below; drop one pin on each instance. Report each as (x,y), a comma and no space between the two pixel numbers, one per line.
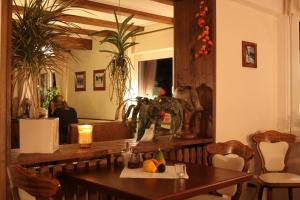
(84,83)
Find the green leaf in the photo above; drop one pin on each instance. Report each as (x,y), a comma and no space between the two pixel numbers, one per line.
(128,45)
(124,24)
(117,21)
(107,51)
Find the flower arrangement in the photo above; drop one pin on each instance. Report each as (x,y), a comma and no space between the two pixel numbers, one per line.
(205,41)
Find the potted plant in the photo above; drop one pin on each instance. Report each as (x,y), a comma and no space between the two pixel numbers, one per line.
(48,96)
(146,112)
(34,50)
(119,67)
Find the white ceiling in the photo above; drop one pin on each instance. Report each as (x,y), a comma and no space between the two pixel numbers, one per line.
(142,5)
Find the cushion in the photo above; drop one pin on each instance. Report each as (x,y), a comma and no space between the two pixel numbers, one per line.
(274,155)
(25,196)
(280,178)
(232,162)
(229,161)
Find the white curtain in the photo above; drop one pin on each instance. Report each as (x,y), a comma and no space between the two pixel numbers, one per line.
(147,77)
(291,7)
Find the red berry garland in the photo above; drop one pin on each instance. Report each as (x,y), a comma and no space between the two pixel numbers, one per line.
(205,41)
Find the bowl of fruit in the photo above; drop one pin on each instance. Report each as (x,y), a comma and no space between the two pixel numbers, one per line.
(157,164)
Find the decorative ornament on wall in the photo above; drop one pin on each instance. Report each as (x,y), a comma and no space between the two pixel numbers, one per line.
(204,38)
(249,53)
(99,79)
(80,81)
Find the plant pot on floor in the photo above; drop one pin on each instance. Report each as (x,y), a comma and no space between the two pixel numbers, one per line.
(39,135)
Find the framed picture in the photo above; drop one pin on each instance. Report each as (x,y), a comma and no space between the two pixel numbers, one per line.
(80,81)
(99,79)
(249,51)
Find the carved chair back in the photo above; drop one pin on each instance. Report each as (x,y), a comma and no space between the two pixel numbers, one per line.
(38,186)
(242,156)
(273,148)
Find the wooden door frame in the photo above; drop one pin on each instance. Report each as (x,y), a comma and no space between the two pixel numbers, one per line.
(5,93)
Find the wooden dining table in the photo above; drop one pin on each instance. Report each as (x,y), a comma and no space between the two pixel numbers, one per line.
(202,179)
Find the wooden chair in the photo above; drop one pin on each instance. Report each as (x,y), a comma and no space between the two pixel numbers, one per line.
(35,186)
(273,148)
(232,155)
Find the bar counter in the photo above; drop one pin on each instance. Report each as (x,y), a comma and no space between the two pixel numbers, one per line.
(108,149)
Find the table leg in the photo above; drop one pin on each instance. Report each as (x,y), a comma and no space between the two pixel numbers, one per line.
(290,193)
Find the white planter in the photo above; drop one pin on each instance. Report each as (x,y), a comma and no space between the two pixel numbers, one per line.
(39,135)
(148,135)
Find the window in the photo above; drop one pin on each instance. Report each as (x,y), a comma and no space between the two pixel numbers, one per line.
(155,74)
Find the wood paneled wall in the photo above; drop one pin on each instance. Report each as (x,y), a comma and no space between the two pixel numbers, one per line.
(188,70)
(5,18)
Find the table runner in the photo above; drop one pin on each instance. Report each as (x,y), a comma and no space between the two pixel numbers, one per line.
(170,173)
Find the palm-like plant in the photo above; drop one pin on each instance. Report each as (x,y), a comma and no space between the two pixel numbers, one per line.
(120,66)
(34,29)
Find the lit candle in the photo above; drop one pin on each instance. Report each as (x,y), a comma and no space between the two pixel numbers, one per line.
(85,135)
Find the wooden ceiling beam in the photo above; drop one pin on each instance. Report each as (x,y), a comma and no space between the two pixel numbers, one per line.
(95,22)
(87,20)
(74,43)
(91,5)
(80,31)
(167,2)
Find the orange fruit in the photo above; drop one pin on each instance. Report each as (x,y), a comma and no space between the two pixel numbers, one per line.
(149,166)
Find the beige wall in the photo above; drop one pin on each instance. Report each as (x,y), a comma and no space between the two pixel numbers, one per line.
(250,99)
(89,103)
(295,75)
(154,41)
(271,6)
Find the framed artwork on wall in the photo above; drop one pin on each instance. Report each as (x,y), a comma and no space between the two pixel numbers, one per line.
(99,79)
(249,53)
(80,81)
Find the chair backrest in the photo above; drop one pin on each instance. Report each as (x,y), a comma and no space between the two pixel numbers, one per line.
(232,155)
(38,186)
(273,148)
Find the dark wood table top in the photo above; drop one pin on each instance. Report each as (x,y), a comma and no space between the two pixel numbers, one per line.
(202,179)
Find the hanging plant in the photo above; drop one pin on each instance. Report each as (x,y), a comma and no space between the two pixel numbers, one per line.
(119,67)
(204,38)
(34,29)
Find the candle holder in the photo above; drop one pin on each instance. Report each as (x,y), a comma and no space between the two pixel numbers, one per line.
(85,135)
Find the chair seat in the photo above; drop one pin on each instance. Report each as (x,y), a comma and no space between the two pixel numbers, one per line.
(277,177)
(209,197)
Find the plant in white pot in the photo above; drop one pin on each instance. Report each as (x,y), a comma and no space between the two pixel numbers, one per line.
(34,50)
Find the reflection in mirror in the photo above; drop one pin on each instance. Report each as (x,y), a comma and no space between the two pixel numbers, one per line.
(155,74)
(91,105)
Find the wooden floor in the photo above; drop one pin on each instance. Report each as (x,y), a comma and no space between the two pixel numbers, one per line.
(250,193)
